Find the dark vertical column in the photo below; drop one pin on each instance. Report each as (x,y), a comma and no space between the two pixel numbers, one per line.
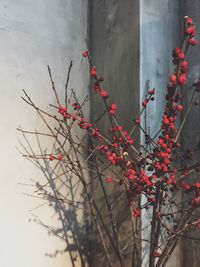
(114,36)
(115,52)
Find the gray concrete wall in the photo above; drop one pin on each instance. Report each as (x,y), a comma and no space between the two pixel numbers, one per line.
(160,28)
(33,34)
(159,34)
(37,33)
(191,131)
(115,53)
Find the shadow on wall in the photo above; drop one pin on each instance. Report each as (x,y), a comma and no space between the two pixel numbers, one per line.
(61,191)
(91,217)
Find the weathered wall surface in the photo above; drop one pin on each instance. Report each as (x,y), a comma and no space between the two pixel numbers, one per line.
(191,131)
(159,34)
(36,33)
(33,34)
(115,53)
(160,28)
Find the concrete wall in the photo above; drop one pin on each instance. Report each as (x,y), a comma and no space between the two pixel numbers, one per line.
(36,33)
(159,34)
(33,34)
(115,52)
(160,28)
(191,131)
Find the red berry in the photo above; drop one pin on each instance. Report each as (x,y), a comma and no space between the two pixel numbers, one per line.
(165,121)
(96,88)
(112,111)
(119,128)
(60,157)
(169,150)
(171,119)
(189,30)
(184,64)
(176,51)
(197,185)
(151,92)
(189,20)
(136,212)
(85,54)
(160,141)
(109,179)
(104,94)
(169,181)
(182,79)
(172,78)
(115,145)
(175,61)
(62,110)
(179,107)
(181,55)
(51,157)
(192,41)
(93,72)
(196,200)
(172,127)
(144,103)
(137,121)
(113,106)
(187,187)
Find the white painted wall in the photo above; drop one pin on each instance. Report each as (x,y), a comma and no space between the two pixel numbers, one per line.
(32,35)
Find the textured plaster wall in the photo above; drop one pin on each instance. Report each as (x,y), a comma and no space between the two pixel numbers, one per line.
(160,27)
(32,35)
(115,52)
(191,131)
(116,49)
(159,34)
